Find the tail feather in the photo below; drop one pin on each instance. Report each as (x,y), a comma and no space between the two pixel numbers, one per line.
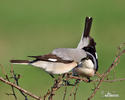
(25,62)
(88,24)
(85,39)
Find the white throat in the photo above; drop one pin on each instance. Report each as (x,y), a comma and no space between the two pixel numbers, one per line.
(88,64)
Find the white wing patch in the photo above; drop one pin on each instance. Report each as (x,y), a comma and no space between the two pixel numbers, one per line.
(50,59)
(96,55)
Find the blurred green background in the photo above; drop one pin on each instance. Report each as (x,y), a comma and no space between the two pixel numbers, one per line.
(36,27)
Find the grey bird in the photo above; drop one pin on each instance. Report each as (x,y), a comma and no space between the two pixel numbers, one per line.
(81,60)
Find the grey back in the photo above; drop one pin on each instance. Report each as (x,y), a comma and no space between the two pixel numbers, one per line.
(70,53)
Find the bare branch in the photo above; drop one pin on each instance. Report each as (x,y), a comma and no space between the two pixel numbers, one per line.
(65,91)
(3,71)
(110,81)
(19,88)
(76,91)
(47,94)
(113,65)
(75,86)
(55,87)
(78,78)
(58,83)
(16,78)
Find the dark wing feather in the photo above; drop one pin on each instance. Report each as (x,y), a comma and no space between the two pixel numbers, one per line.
(50,56)
(88,24)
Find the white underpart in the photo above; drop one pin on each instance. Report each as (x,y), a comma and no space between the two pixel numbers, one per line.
(86,68)
(50,59)
(55,67)
(94,60)
(88,64)
(83,42)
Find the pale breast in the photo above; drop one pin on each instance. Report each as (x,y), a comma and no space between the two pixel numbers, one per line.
(55,67)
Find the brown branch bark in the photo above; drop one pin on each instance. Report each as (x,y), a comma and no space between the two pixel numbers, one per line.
(79,78)
(55,87)
(16,79)
(65,92)
(115,62)
(76,91)
(13,91)
(19,88)
(110,81)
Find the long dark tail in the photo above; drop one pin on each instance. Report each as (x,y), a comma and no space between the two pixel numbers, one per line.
(88,24)
(24,62)
(85,38)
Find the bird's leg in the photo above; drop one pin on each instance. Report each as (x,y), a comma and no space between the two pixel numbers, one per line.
(89,80)
(66,80)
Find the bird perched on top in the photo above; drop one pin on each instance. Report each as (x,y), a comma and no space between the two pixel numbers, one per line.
(81,60)
(88,65)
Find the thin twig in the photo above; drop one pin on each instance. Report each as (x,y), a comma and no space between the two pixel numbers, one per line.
(76,91)
(109,81)
(65,91)
(16,78)
(19,88)
(55,87)
(115,62)
(76,84)
(58,82)
(79,78)
(14,94)
(47,94)
(2,68)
